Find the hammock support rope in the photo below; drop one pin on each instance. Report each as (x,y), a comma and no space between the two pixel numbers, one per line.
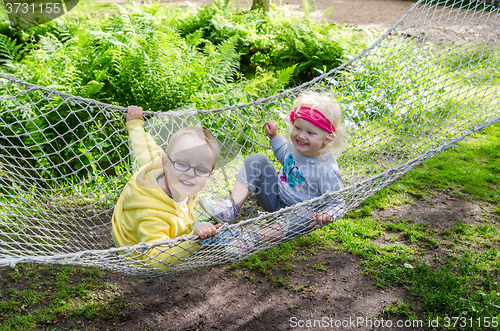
(405,99)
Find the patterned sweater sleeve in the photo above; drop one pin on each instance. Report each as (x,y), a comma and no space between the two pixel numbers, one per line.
(280,146)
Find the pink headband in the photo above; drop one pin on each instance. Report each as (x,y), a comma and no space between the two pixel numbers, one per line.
(314,117)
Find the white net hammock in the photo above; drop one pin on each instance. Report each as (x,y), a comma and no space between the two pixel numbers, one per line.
(429,82)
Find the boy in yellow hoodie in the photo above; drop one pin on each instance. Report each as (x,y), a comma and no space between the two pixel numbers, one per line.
(157,202)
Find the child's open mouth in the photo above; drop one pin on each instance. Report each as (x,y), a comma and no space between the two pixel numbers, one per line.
(186,183)
(301,143)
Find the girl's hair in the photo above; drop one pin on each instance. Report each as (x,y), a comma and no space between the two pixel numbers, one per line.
(201,133)
(329,107)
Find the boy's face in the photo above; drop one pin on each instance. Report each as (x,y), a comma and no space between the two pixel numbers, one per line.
(195,151)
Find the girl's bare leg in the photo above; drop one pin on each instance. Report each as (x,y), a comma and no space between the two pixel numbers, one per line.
(240,193)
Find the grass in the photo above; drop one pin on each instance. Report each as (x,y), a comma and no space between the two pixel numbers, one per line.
(453,171)
(406,115)
(55,293)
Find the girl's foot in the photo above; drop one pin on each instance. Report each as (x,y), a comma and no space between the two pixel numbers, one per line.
(222,212)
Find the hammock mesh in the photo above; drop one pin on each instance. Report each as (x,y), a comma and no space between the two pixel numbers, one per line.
(428,83)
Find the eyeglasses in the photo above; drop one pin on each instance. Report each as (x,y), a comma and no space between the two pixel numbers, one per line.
(184,166)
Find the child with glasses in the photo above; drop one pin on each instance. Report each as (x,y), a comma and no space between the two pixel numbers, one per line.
(157,202)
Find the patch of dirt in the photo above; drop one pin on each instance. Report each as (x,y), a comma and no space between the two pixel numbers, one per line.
(439,211)
(218,298)
(375,14)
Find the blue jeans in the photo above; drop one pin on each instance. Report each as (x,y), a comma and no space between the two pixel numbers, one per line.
(259,175)
(261,178)
(221,238)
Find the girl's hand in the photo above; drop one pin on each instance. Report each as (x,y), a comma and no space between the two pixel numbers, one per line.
(134,113)
(205,231)
(271,129)
(320,218)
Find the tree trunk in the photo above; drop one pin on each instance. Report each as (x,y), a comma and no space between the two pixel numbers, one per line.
(264,4)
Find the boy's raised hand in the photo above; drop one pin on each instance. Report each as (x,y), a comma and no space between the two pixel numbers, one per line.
(272,129)
(134,113)
(205,231)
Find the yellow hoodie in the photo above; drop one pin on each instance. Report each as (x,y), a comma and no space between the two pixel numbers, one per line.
(145,213)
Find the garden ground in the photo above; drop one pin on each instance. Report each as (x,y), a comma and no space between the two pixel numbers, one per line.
(375,14)
(323,284)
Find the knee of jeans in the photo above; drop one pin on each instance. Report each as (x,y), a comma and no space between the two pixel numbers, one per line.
(275,188)
(256,159)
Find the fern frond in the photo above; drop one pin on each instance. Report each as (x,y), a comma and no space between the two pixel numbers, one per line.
(90,89)
(195,38)
(9,50)
(285,75)
(50,44)
(127,24)
(327,13)
(227,59)
(116,60)
(65,33)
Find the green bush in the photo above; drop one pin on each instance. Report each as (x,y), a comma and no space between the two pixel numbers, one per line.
(273,41)
(132,57)
(24,40)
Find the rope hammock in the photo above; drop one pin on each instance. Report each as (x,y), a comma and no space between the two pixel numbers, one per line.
(429,82)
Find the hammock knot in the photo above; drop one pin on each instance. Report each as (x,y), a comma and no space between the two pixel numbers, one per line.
(143,246)
(225,227)
(77,256)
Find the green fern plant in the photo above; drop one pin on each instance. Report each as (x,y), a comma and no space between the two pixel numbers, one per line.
(10,51)
(285,75)
(127,25)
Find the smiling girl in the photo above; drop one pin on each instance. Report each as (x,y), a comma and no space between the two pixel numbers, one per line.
(309,166)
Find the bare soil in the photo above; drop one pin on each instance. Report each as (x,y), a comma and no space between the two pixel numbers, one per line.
(375,14)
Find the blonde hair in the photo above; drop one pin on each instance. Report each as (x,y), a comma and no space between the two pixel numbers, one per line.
(202,134)
(329,107)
